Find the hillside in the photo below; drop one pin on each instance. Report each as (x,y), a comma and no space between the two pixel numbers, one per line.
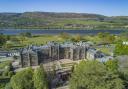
(49,20)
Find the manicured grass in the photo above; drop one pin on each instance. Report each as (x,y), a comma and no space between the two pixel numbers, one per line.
(42,39)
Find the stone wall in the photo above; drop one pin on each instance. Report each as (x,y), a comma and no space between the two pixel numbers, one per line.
(51,52)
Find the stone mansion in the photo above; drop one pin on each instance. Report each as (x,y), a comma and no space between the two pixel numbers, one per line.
(35,55)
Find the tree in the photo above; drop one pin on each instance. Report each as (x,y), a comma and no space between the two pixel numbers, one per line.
(26,34)
(112,65)
(2,39)
(64,35)
(39,78)
(23,79)
(121,49)
(22,39)
(94,75)
(100,35)
(77,38)
(8,86)
(110,38)
(10,73)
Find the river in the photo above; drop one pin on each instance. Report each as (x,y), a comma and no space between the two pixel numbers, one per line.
(54,31)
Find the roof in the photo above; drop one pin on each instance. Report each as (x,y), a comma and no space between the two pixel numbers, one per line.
(94,51)
(50,44)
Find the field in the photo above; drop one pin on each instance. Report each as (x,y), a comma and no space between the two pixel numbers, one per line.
(20,41)
(43,39)
(39,40)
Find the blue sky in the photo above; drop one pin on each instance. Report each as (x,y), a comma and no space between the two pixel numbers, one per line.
(105,7)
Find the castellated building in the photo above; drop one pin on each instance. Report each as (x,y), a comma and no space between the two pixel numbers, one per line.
(35,55)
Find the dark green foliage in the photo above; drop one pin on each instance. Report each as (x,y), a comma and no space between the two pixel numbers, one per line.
(3,81)
(6,66)
(27,34)
(77,38)
(64,35)
(106,38)
(3,39)
(8,86)
(121,49)
(94,75)
(2,85)
(112,65)
(29,79)
(10,73)
(23,80)
(40,79)
(5,73)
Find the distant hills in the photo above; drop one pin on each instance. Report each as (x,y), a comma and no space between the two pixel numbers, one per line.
(52,20)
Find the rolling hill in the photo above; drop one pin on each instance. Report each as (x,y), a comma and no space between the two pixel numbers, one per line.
(52,20)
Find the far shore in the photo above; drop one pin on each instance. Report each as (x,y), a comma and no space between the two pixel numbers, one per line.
(59,29)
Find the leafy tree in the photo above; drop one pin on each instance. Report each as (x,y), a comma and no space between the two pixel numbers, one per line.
(94,75)
(8,86)
(100,35)
(39,78)
(10,73)
(22,80)
(121,49)
(64,35)
(112,65)
(26,34)
(5,73)
(29,79)
(77,38)
(2,39)
(110,38)
(8,37)
(106,37)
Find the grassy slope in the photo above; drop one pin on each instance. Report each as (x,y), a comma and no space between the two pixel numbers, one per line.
(60,20)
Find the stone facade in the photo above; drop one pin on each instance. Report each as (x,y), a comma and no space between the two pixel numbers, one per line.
(34,55)
(93,54)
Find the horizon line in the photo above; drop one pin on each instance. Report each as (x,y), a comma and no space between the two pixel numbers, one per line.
(63,12)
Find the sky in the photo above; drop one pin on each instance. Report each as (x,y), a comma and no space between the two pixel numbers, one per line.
(104,7)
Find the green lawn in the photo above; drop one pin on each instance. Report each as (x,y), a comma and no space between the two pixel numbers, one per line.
(42,39)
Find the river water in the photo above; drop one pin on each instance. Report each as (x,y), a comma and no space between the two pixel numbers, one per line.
(54,31)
